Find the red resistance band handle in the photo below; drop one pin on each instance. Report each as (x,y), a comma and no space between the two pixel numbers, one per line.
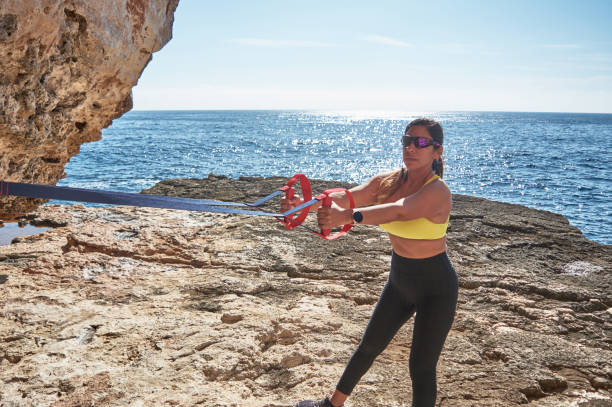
(289,221)
(327,201)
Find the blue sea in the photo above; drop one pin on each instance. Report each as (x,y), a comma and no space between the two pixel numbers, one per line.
(554,161)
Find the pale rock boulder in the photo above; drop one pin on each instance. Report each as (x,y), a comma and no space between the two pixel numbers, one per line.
(66,71)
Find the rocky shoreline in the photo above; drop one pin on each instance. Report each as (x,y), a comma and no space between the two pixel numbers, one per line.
(136,306)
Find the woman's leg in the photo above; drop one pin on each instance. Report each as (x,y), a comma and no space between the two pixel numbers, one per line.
(390,313)
(433,320)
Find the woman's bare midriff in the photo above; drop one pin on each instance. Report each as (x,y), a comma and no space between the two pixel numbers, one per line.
(417,249)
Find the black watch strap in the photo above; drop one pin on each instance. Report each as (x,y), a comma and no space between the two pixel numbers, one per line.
(357,216)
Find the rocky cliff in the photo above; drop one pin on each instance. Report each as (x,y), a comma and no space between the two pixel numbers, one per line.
(67,68)
(133,306)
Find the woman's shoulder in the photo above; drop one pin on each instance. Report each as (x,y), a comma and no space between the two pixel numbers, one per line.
(371,189)
(438,187)
(379,179)
(387,176)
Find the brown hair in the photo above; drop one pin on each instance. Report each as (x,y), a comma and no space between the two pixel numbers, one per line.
(391,182)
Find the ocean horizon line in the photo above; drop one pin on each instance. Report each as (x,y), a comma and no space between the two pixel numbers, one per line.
(361,111)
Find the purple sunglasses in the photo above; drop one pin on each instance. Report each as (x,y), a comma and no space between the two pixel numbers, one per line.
(419,142)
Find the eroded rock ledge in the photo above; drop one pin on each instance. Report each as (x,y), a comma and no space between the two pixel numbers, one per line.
(67,68)
(121,305)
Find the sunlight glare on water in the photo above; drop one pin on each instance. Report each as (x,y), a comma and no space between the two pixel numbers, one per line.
(542,160)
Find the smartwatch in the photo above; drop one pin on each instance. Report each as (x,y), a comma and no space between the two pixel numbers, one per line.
(357,216)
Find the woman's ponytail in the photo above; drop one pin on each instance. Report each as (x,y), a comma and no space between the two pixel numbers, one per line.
(438,167)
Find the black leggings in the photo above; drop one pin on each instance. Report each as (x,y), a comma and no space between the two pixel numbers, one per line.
(427,287)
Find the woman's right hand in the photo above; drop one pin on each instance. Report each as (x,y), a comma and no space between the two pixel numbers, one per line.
(287,204)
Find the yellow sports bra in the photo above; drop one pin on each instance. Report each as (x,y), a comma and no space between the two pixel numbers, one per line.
(419,228)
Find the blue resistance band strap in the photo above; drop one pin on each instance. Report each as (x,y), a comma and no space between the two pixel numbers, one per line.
(126,198)
(266,198)
(301,206)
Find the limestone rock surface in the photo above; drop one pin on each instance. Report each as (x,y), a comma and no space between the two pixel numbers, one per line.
(67,68)
(126,306)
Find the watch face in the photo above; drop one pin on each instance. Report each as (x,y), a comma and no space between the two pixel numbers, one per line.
(357,216)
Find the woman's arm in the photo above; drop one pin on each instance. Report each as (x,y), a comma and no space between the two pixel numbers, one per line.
(431,202)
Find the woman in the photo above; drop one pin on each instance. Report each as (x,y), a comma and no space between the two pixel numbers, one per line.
(413,205)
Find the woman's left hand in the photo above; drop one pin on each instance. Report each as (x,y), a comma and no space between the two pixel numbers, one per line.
(332,216)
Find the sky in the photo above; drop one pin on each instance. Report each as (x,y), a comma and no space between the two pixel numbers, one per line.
(519,55)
